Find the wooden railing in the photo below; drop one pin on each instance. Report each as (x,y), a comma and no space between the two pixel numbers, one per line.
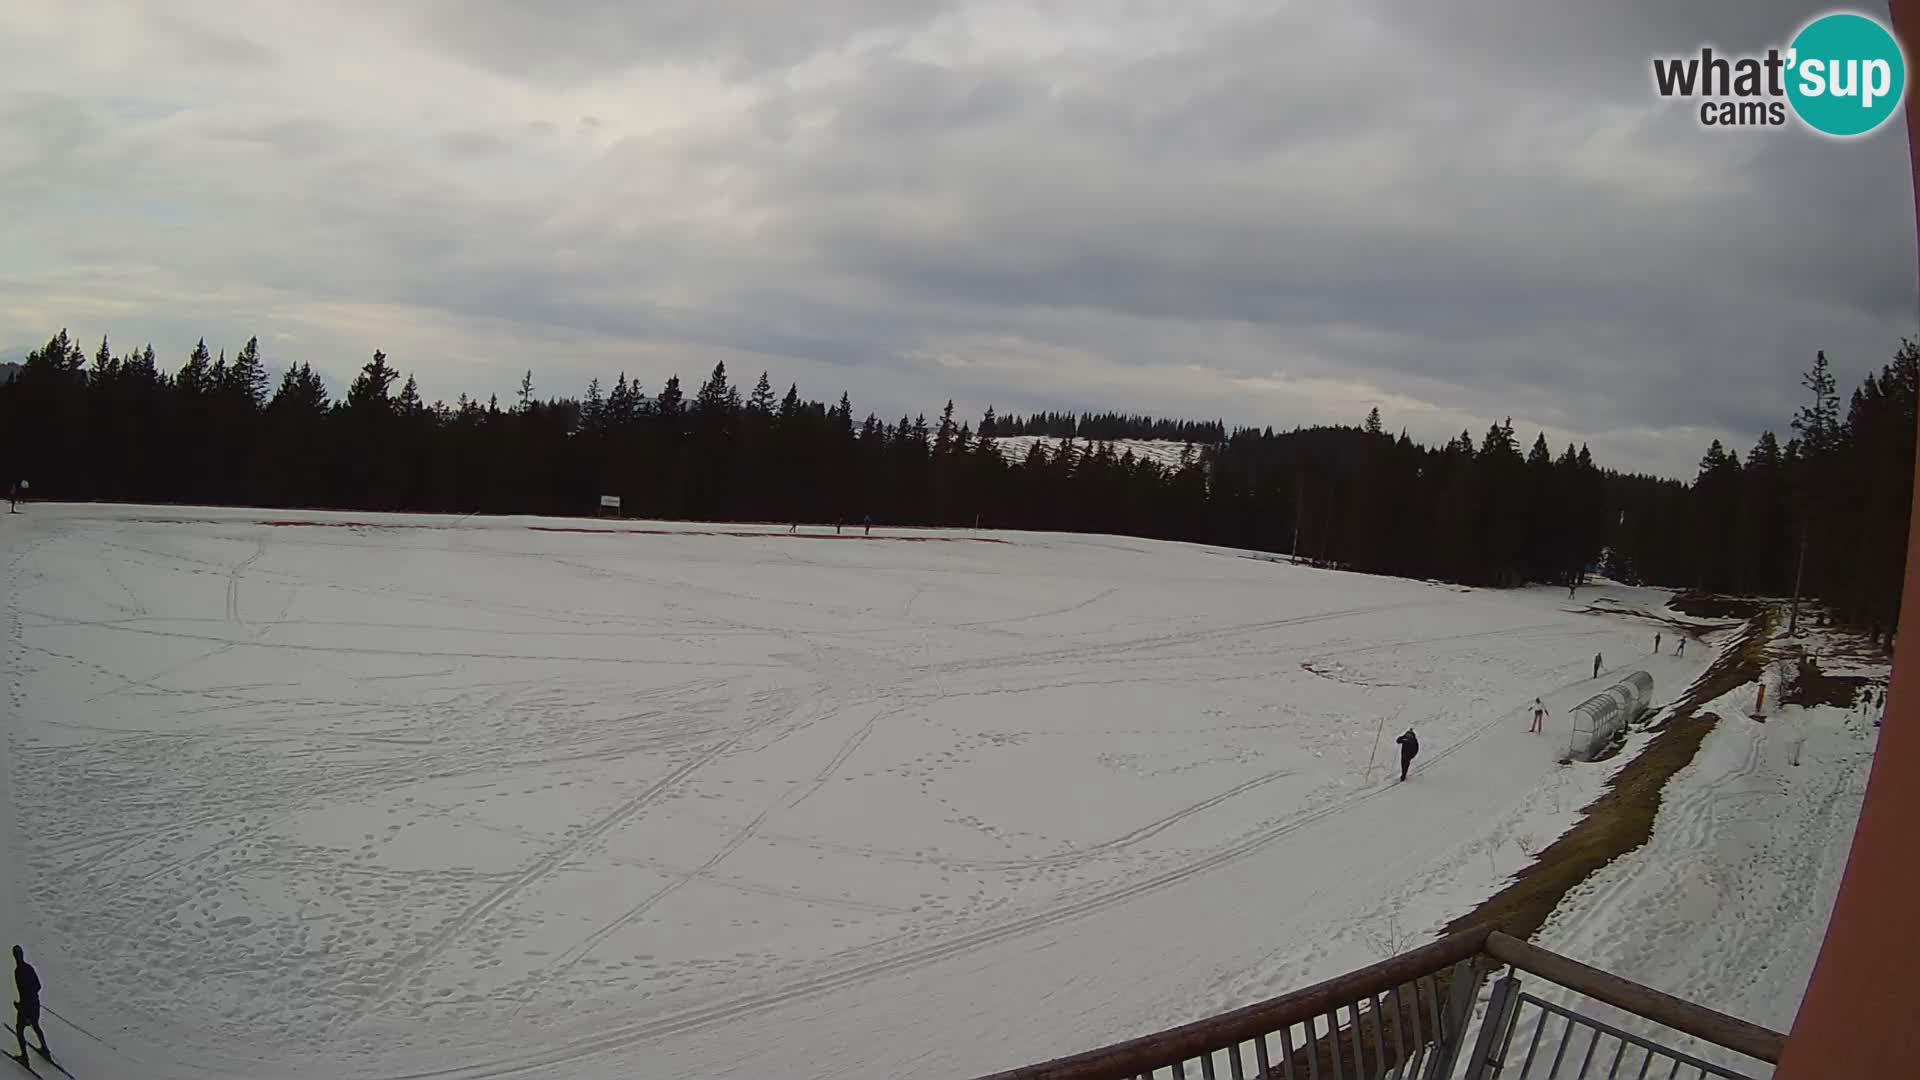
(1406,1018)
(1696,1020)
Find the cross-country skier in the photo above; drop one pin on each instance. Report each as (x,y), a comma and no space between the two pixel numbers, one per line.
(1539,716)
(26,1011)
(1656,643)
(869,524)
(1680,649)
(1409,746)
(1596,665)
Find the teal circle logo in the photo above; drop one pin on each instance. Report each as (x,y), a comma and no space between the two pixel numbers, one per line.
(1847,74)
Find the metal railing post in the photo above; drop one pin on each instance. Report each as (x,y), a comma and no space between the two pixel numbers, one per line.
(1465,984)
(1485,1063)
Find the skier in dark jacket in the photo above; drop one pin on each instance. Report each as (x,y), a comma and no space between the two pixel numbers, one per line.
(1409,746)
(26,1011)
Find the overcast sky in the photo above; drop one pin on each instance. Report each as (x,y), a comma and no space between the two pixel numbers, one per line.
(1261,212)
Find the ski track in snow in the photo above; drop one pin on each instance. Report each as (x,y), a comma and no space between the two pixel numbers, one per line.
(1728,901)
(461,798)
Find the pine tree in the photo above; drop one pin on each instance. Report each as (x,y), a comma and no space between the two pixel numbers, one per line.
(943,438)
(715,398)
(1818,428)
(623,403)
(105,367)
(761,403)
(142,368)
(671,404)
(1715,506)
(301,391)
(371,391)
(408,404)
(310,391)
(246,381)
(195,378)
(301,465)
(1762,532)
(1819,422)
(594,411)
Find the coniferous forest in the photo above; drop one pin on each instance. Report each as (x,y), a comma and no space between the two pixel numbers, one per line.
(1828,505)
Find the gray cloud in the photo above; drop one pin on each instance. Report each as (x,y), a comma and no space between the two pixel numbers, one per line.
(473,144)
(210,44)
(1276,216)
(577,41)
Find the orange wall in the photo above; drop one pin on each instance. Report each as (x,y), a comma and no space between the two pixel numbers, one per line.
(1858,1016)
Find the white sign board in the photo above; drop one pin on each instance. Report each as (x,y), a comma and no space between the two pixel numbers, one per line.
(611,502)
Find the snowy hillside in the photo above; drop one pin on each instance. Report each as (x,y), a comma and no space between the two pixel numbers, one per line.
(1016,447)
(1729,898)
(364,796)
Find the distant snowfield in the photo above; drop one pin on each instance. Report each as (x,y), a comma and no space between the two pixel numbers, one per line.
(383,796)
(1015,448)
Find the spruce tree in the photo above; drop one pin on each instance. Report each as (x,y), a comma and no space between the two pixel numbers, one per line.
(246,381)
(195,378)
(762,400)
(671,404)
(371,392)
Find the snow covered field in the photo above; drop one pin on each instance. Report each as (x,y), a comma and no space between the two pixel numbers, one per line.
(381,796)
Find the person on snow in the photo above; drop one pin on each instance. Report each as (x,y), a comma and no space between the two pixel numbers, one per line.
(1409,746)
(869,524)
(1539,716)
(1596,665)
(1656,643)
(26,1011)
(1680,649)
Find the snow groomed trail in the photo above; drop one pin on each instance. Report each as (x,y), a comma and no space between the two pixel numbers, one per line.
(402,796)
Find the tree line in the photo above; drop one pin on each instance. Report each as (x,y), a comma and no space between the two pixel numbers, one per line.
(1826,512)
(1827,509)
(1102,427)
